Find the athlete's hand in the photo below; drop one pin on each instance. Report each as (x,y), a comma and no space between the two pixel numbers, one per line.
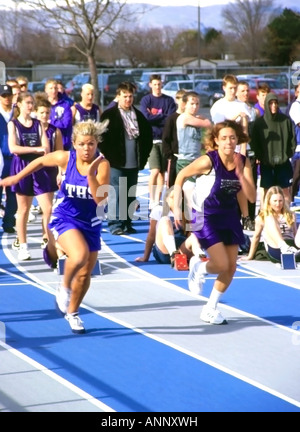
(93,168)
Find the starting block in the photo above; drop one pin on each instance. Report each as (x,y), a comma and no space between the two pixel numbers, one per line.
(61,264)
(288,261)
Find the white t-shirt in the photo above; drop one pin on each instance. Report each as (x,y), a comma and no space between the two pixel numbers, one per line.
(224,109)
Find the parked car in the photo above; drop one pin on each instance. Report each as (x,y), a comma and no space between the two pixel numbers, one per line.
(108,83)
(275,86)
(166,76)
(78,81)
(209,91)
(246,77)
(36,86)
(202,76)
(172,87)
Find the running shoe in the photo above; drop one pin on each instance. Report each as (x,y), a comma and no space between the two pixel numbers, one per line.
(31,217)
(248,224)
(23,254)
(195,278)
(75,323)
(62,299)
(16,244)
(44,243)
(212,316)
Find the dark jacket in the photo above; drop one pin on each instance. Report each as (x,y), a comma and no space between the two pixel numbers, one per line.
(113,140)
(273,137)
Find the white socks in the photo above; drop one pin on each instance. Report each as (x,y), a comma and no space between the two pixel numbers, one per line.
(169,242)
(214,298)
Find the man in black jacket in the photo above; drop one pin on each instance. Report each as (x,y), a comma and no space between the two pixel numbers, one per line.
(126,145)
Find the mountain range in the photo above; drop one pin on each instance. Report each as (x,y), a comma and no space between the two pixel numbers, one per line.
(186,17)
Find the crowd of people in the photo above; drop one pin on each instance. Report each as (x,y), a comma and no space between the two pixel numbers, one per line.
(79,162)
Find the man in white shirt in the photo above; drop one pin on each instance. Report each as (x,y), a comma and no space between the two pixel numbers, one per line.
(228,107)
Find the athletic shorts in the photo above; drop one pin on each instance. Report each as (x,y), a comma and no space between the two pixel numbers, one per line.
(279,175)
(222,228)
(91,234)
(275,253)
(156,159)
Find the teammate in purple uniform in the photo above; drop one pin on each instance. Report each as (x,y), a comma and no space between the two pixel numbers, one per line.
(75,224)
(42,111)
(27,141)
(61,114)
(223,174)
(86,109)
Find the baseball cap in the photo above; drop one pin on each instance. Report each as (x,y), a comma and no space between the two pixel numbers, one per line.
(5,90)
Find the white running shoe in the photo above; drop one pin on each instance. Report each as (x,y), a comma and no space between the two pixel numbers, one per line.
(31,217)
(23,254)
(62,299)
(195,278)
(212,316)
(16,244)
(75,323)
(44,243)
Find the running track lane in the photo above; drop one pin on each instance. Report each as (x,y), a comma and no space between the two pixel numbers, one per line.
(120,366)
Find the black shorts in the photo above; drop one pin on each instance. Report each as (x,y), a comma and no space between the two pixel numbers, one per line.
(278,175)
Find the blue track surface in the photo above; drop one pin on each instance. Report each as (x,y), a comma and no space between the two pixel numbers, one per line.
(122,368)
(127,370)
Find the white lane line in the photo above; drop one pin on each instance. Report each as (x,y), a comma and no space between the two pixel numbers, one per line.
(57,378)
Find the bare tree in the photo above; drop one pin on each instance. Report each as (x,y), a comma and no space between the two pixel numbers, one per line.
(82,22)
(247,20)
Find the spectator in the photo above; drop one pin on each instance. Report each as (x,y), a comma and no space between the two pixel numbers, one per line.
(164,240)
(114,102)
(126,145)
(189,131)
(262,90)
(273,142)
(27,141)
(6,114)
(170,140)
(62,91)
(16,89)
(23,83)
(242,94)
(156,107)
(61,114)
(277,225)
(86,109)
(42,110)
(228,107)
(190,127)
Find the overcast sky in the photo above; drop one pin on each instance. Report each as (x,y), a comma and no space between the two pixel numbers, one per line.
(181,2)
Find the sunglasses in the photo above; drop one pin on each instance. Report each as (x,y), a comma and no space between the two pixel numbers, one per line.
(23,85)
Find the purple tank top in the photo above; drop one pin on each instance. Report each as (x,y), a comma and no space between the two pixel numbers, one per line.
(28,137)
(74,199)
(216,192)
(92,114)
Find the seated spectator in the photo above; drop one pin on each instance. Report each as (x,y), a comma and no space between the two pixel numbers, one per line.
(277,226)
(164,240)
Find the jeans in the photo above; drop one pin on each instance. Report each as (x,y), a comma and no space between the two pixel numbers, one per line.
(122,197)
(9,219)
